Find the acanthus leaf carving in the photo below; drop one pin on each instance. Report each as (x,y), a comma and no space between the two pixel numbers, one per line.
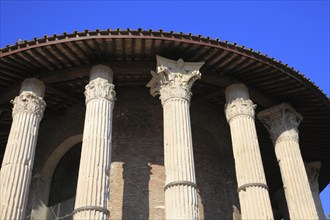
(239,107)
(282,122)
(29,102)
(100,89)
(174,79)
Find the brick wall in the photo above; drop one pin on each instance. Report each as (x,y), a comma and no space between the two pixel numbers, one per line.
(137,169)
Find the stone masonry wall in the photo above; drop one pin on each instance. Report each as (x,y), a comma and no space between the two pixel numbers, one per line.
(137,169)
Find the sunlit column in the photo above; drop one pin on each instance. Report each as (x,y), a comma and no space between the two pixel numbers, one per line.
(282,122)
(173,81)
(17,164)
(93,181)
(252,186)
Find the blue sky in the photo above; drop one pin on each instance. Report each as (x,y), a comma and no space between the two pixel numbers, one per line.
(295,32)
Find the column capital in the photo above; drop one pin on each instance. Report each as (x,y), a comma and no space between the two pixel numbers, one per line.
(174,79)
(313,170)
(100,85)
(239,107)
(281,121)
(30,99)
(238,102)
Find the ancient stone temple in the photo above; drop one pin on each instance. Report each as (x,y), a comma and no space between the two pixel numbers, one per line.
(123,124)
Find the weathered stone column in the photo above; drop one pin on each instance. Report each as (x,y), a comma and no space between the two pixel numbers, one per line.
(17,164)
(94,171)
(313,169)
(252,187)
(173,81)
(282,122)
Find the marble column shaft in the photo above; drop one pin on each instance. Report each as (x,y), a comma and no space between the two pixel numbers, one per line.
(93,181)
(282,122)
(17,165)
(313,170)
(173,81)
(251,180)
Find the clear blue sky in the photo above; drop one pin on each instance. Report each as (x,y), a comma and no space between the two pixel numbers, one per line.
(295,32)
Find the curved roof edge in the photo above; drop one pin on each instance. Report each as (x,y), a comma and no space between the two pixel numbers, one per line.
(23,45)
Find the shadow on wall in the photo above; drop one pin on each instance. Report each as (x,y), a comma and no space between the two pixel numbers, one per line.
(214,164)
(137,169)
(215,176)
(136,175)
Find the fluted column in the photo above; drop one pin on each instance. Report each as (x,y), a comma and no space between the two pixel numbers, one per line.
(173,81)
(282,122)
(313,170)
(17,164)
(252,187)
(93,181)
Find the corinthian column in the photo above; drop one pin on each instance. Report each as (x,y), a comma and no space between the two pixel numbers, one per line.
(94,171)
(173,81)
(252,187)
(313,169)
(17,164)
(282,122)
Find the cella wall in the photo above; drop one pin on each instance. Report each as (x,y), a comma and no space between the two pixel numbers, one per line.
(137,175)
